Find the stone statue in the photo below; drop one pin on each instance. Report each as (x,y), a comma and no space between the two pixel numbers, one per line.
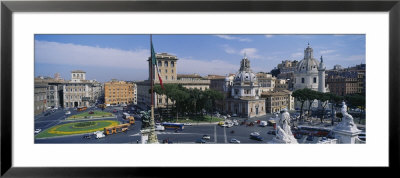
(283,132)
(347,122)
(145,118)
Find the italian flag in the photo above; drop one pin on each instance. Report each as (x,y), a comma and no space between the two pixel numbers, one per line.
(154,62)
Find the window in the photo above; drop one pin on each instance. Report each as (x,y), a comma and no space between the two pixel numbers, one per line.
(302,80)
(166,63)
(159,63)
(166,70)
(172,65)
(172,71)
(315,79)
(166,77)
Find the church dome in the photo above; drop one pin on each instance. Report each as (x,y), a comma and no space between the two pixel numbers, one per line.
(309,63)
(245,74)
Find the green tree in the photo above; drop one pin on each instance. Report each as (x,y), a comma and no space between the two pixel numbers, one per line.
(324,98)
(300,96)
(357,100)
(335,101)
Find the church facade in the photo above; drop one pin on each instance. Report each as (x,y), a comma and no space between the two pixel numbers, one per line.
(244,93)
(310,73)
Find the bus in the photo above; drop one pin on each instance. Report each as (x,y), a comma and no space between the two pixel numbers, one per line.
(102,106)
(82,108)
(116,129)
(315,131)
(125,115)
(174,126)
(131,120)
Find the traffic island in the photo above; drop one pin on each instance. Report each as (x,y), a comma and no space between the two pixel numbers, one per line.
(77,128)
(90,115)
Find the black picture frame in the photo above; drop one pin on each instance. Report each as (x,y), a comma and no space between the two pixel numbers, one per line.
(8,7)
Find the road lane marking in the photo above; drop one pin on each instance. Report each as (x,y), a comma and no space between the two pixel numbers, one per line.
(225,134)
(215,134)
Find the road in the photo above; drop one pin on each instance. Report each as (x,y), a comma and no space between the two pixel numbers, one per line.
(218,134)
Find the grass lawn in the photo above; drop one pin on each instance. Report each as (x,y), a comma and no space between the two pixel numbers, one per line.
(76,128)
(194,119)
(86,115)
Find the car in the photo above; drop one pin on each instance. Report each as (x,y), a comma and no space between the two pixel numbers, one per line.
(254,134)
(310,138)
(37,131)
(159,128)
(188,124)
(201,141)
(271,132)
(91,112)
(114,111)
(234,115)
(68,113)
(167,141)
(298,136)
(258,138)
(87,136)
(234,140)
(228,115)
(206,137)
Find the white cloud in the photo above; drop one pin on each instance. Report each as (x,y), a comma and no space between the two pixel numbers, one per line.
(229,49)
(250,52)
(269,36)
(229,37)
(297,55)
(217,67)
(68,53)
(327,51)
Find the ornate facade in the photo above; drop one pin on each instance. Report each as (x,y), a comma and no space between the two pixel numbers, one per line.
(244,99)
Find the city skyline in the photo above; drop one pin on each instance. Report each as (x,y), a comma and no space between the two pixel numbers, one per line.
(201,54)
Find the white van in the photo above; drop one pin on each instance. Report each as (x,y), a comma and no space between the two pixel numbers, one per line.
(263,123)
(159,128)
(99,135)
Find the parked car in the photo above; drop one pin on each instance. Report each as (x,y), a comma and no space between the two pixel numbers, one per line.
(310,138)
(206,137)
(68,113)
(234,115)
(258,138)
(254,134)
(91,112)
(187,124)
(87,136)
(200,141)
(234,140)
(37,131)
(271,132)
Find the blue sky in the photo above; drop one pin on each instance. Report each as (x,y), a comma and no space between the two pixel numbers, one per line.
(123,57)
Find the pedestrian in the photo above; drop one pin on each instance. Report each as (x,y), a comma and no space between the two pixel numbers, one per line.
(137,141)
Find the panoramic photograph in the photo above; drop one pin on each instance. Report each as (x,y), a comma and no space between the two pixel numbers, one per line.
(199,89)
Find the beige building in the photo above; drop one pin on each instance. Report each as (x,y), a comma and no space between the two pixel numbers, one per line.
(266,81)
(168,71)
(281,84)
(119,92)
(79,92)
(40,99)
(278,100)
